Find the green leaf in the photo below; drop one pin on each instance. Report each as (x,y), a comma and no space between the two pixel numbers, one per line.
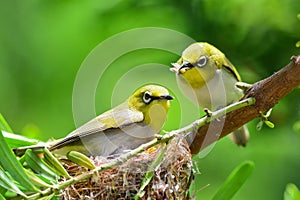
(53,162)
(16,141)
(80,159)
(49,197)
(2,190)
(296,126)
(2,197)
(268,114)
(4,125)
(259,125)
(234,181)
(291,192)
(10,163)
(269,124)
(36,180)
(45,179)
(8,184)
(39,166)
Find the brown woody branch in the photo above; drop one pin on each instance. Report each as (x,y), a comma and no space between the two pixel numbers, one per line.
(267,93)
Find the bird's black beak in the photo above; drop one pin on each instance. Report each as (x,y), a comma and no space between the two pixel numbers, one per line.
(167,97)
(184,67)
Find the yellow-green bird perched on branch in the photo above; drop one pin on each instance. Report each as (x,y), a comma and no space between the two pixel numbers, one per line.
(125,127)
(209,79)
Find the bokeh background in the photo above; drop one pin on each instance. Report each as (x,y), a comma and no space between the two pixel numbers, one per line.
(43,44)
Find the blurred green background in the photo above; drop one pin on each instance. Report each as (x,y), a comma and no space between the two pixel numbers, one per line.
(43,44)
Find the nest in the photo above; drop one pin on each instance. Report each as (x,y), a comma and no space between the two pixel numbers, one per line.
(171,179)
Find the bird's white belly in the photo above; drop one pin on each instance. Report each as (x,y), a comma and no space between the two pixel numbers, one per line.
(217,92)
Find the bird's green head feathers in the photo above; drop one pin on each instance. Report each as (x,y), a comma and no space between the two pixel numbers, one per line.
(152,101)
(199,62)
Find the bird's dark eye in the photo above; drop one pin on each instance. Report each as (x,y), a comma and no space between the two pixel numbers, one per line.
(147,98)
(202,61)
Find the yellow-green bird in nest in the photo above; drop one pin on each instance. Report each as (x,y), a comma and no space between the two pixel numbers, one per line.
(125,127)
(209,79)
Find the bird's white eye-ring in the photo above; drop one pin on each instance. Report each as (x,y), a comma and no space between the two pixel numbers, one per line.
(202,61)
(147,97)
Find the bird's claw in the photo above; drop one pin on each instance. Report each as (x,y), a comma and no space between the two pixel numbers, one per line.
(159,136)
(242,85)
(208,112)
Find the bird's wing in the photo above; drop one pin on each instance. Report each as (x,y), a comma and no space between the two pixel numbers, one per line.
(120,116)
(231,69)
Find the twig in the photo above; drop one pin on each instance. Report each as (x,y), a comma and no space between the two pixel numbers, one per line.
(213,116)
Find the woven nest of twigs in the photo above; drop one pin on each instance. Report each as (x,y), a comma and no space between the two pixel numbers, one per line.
(171,180)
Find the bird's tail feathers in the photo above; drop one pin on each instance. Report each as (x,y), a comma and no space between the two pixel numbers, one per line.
(240,136)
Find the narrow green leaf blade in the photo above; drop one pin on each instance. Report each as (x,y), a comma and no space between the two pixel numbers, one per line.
(10,163)
(234,181)
(53,162)
(49,197)
(2,190)
(4,125)
(16,141)
(2,197)
(8,184)
(37,181)
(38,165)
